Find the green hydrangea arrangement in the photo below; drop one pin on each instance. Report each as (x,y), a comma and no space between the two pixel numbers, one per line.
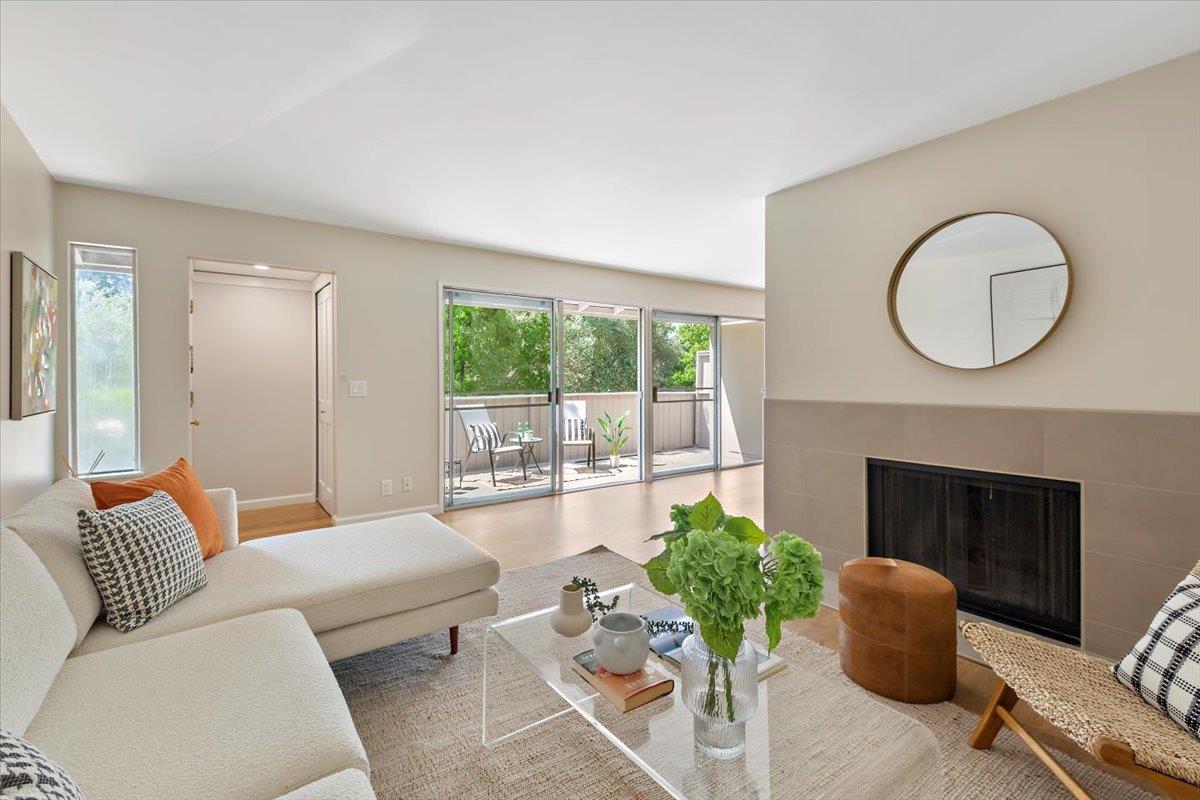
(713,562)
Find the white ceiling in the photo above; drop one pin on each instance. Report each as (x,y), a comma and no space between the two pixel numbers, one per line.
(636,135)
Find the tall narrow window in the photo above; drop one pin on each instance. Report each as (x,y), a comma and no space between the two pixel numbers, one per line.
(105,386)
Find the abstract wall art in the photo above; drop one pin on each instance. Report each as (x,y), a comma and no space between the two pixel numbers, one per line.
(34,338)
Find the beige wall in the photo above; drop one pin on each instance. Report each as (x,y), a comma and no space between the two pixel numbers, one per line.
(26,216)
(742,364)
(387,320)
(1111,171)
(255,383)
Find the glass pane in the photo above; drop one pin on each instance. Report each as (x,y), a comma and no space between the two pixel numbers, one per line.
(105,361)
(743,376)
(601,417)
(498,353)
(683,374)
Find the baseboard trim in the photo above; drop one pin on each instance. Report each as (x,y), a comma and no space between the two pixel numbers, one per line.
(434,509)
(283,500)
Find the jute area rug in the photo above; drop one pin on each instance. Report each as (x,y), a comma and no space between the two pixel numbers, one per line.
(418,712)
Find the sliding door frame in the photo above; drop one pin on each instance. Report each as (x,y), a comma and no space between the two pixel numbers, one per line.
(715,347)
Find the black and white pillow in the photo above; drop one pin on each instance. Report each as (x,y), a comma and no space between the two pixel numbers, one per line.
(27,774)
(143,557)
(1164,666)
(487,434)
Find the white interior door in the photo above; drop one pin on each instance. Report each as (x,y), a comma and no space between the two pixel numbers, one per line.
(325,387)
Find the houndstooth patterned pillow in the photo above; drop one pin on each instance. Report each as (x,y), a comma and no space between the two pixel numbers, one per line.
(1164,666)
(143,557)
(27,774)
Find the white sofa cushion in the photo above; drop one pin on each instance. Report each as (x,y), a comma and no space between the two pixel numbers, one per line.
(349,784)
(49,524)
(335,576)
(36,632)
(224,502)
(247,708)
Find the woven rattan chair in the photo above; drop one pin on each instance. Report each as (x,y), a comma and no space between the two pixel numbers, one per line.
(1078,694)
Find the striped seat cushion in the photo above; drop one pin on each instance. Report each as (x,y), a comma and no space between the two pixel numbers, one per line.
(1164,666)
(486,434)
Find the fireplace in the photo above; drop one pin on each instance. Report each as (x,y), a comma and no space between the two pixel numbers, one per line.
(1009,543)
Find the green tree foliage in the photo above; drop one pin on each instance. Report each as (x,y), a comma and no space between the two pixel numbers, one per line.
(507,351)
(104,365)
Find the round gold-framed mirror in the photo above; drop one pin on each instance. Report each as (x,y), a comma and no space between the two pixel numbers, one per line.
(980,290)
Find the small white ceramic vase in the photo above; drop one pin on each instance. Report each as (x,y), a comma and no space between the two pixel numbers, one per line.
(570,618)
(622,642)
(614,460)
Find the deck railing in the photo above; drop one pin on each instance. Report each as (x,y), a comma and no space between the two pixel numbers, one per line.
(675,424)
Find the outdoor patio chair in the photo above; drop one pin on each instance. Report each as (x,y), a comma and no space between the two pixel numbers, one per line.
(484,437)
(1078,694)
(576,431)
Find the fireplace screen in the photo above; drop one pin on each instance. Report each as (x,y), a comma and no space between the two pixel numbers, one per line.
(1010,544)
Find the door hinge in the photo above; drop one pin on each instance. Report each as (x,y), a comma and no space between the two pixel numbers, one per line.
(191,399)
(191,306)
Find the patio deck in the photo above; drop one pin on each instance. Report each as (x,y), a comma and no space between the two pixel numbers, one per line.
(476,483)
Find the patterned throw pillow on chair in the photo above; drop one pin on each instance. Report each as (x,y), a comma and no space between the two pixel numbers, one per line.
(143,556)
(1164,666)
(27,774)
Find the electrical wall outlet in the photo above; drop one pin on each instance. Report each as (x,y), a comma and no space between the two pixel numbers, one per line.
(386,488)
(406,485)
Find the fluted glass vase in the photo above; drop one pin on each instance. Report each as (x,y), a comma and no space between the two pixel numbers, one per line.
(721,694)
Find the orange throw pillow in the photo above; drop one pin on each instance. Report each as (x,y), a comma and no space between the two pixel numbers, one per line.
(179,481)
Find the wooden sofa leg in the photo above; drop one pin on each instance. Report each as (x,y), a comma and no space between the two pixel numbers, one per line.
(453,640)
(989,721)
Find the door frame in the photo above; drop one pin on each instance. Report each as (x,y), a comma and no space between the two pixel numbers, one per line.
(439,466)
(445,478)
(336,409)
(715,345)
(759,461)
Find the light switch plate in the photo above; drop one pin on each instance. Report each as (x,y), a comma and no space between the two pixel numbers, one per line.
(358,388)
(386,488)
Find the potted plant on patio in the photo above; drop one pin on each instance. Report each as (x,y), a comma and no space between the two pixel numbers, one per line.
(726,570)
(614,432)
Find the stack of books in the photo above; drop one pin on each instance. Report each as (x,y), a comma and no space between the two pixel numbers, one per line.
(626,692)
(652,681)
(669,646)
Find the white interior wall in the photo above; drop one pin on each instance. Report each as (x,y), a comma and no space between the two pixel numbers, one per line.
(387,329)
(742,381)
(255,390)
(27,447)
(1109,170)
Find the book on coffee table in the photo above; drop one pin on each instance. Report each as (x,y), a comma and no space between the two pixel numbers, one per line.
(669,646)
(626,692)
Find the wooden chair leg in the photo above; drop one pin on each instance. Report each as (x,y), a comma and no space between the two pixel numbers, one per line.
(990,722)
(998,714)
(453,639)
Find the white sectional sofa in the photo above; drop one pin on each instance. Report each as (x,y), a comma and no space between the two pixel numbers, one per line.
(228,693)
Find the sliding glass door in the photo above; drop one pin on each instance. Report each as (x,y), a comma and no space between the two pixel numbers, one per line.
(500,413)
(540,395)
(684,369)
(601,394)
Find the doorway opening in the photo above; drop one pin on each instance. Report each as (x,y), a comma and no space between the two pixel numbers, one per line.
(261,384)
(540,395)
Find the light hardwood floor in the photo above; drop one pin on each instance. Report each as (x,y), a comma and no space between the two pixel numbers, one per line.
(529,532)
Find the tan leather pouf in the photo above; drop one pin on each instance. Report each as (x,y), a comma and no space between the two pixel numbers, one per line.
(896,629)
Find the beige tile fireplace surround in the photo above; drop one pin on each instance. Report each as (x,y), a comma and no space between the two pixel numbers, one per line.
(1139,474)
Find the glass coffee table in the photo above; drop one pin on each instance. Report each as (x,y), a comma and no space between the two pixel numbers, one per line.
(812,737)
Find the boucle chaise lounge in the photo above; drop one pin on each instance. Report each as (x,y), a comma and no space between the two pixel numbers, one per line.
(1077,693)
(228,693)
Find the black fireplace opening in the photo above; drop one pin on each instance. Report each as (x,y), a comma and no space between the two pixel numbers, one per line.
(1009,543)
